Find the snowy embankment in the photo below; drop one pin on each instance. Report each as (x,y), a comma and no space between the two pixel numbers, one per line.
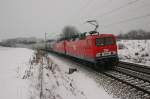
(136,51)
(12,61)
(26,75)
(78,85)
(59,83)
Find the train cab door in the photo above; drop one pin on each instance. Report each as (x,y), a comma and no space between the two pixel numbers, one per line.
(88,49)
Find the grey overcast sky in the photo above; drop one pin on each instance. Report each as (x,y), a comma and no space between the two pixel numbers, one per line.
(25,18)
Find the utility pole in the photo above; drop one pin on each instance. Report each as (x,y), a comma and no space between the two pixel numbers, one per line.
(45,41)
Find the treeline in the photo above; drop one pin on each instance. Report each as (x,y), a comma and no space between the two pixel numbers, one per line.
(135,34)
(15,41)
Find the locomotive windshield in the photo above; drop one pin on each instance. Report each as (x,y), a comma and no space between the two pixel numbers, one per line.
(104,41)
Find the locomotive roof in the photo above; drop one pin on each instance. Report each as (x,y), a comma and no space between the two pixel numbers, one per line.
(84,35)
(101,35)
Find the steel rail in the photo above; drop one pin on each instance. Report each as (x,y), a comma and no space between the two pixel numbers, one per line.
(135,67)
(127,82)
(136,74)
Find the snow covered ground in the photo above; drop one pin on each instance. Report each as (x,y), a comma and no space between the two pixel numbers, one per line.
(136,51)
(79,85)
(12,87)
(21,77)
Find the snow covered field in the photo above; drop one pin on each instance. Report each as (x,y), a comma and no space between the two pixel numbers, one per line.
(136,51)
(20,78)
(12,87)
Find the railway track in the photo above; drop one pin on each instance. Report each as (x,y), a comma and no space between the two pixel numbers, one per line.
(138,71)
(135,67)
(141,86)
(136,76)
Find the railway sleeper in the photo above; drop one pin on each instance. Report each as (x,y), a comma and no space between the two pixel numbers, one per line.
(118,75)
(122,77)
(146,87)
(146,96)
(137,84)
(144,84)
(129,79)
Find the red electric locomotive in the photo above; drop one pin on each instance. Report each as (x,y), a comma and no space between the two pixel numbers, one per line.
(93,47)
(96,48)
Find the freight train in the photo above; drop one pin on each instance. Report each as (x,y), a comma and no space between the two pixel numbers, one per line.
(96,48)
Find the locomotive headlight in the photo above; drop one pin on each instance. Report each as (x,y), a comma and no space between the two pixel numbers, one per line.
(98,54)
(114,52)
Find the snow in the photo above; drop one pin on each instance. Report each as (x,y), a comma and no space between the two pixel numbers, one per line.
(135,51)
(82,80)
(10,86)
(21,77)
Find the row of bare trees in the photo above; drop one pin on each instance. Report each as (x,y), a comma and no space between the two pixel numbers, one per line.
(135,34)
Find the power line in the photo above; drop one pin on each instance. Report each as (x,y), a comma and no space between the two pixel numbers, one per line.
(123,21)
(79,11)
(87,3)
(142,7)
(118,8)
(86,6)
(127,20)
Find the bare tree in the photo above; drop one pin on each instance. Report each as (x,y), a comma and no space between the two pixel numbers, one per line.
(69,31)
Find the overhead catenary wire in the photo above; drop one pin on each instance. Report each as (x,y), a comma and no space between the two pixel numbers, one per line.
(118,8)
(127,20)
(114,10)
(80,9)
(85,7)
(121,8)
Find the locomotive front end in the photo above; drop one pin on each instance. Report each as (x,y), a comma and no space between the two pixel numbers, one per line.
(106,50)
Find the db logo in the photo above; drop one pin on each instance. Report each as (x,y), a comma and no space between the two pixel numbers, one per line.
(106,50)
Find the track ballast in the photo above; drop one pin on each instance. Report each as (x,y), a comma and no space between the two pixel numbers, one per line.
(136,76)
